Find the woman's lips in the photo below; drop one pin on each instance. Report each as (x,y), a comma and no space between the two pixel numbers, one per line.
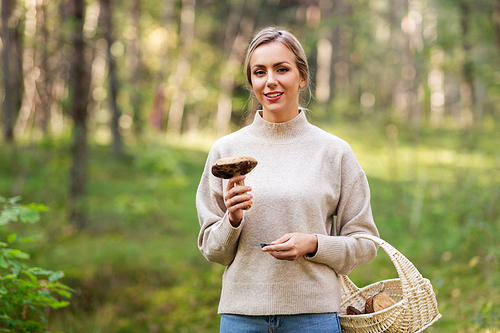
(273,96)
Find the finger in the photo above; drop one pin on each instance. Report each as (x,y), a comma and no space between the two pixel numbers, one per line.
(285,243)
(237,199)
(276,248)
(283,239)
(280,244)
(285,255)
(232,181)
(234,206)
(237,190)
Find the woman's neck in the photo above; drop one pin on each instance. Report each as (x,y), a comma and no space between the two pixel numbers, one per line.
(278,118)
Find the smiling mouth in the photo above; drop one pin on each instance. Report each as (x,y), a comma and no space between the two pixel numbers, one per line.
(274,95)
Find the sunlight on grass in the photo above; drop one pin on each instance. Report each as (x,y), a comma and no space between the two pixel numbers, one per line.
(137,264)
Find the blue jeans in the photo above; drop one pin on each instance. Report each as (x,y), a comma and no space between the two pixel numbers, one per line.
(300,323)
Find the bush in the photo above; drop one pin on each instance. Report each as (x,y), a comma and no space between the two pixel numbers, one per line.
(25,291)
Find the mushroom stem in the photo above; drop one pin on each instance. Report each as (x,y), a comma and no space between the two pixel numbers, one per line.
(229,167)
(242,183)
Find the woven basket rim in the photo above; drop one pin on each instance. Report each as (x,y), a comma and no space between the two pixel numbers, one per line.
(378,282)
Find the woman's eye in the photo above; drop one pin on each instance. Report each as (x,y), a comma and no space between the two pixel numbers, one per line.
(283,70)
(258,72)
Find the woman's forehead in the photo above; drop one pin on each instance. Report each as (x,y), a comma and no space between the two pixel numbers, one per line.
(271,53)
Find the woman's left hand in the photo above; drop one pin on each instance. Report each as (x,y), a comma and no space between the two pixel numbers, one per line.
(292,246)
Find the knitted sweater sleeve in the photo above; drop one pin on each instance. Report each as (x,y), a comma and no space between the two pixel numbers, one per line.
(217,239)
(353,216)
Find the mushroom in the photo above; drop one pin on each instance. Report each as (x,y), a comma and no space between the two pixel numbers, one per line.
(378,302)
(229,167)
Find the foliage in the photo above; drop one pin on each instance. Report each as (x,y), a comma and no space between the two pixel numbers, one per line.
(137,266)
(426,133)
(388,59)
(25,291)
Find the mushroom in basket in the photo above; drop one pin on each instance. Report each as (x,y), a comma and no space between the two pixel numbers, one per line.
(375,303)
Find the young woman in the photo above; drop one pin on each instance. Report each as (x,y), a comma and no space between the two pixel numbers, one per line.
(309,196)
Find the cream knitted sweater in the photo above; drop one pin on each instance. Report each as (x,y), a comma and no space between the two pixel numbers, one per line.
(304,178)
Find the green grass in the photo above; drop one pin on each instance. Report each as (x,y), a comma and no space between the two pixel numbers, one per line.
(137,268)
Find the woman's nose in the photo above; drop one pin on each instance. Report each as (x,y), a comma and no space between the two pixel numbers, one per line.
(271,80)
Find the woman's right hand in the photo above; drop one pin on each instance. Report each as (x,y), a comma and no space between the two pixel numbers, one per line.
(236,199)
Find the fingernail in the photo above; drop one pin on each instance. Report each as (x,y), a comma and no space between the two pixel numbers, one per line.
(249,188)
(251,196)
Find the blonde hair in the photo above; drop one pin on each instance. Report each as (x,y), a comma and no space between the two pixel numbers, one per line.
(273,34)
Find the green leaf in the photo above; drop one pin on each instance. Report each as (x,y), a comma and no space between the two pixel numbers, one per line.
(25,239)
(13,200)
(3,220)
(16,253)
(3,263)
(39,271)
(62,293)
(10,276)
(12,238)
(28,215)
(31,276)
(55,276)
(8,215)
(19,290)
(38,207)
(59,304)
(18,266)
(63,287)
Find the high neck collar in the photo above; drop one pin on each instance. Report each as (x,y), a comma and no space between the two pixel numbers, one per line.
(280,132)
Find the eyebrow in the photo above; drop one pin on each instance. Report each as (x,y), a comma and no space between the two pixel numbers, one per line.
(275,65)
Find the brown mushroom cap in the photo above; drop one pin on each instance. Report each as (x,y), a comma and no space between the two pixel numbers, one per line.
(229,167)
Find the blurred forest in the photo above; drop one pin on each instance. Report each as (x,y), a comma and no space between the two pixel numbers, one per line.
(108,109)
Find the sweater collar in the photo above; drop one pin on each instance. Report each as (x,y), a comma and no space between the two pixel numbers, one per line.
(286,131)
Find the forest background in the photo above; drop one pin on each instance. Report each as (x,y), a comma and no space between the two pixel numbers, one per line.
(109,109)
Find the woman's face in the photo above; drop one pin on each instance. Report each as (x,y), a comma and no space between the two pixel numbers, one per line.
(276,81)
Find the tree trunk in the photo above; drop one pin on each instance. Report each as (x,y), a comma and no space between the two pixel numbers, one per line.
(136,69)
(157,113)
(341,55)
(467,86)
(58,65)
(25,119)
(496,22)
(183,68)
(12,56)
(323,72)
(339,67)
(238,31)
(107,25)
(224,104)
(79,89)
(44,84)
(408,44)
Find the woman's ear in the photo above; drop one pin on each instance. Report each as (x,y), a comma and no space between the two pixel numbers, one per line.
(303,82)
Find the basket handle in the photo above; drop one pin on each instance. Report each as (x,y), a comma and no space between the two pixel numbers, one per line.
(347,287)
(375,239)
(409,275)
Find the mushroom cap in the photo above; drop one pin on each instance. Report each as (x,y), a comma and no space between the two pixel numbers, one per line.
(229,167)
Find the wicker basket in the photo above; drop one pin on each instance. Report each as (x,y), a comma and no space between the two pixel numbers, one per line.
(415,308)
